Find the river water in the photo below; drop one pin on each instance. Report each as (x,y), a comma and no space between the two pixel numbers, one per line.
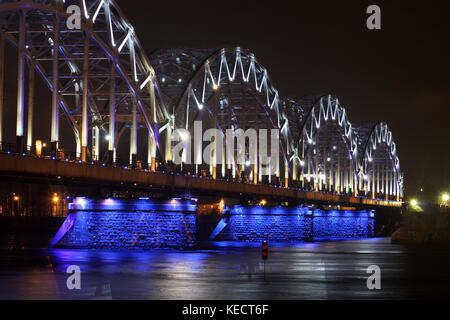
(225,270)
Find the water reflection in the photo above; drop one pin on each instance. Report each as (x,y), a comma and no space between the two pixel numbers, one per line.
(328,270)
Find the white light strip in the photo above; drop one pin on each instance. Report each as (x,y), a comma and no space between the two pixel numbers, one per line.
(146,81)
(86,14)
(98,10)
(124,41)
(111,27)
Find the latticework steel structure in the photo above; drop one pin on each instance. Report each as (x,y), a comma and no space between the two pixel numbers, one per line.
(102,81)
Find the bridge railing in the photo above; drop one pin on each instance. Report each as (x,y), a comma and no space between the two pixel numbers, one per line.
(186,170)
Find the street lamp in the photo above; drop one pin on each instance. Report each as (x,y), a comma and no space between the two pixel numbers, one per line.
(444,199)
(414,202)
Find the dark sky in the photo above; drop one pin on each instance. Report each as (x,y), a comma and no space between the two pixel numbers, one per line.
(400,74)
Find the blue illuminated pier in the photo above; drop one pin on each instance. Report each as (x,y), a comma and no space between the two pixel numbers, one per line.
(117,223)
(145,223)
(286,224)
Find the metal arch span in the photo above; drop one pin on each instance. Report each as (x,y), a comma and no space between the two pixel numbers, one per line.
(380,163)
(329,160)
(104,83)
(104,54)
(215,84)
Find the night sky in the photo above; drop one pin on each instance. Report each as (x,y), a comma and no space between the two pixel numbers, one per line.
(400,74)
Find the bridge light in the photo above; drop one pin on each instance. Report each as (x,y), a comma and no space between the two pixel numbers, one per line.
(38,148)
(180,80)
(183,136)
(163,80)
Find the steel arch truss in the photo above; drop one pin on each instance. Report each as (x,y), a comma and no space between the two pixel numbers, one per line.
(103,77)
(102,81)
(381,165)
(327,149)
(232,89)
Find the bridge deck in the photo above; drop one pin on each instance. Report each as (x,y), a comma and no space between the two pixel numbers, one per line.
(40,167)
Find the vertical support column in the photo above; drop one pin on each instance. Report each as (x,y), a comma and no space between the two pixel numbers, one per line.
(387,183)
(330,181)
(347,177)
(338,175)
(2,77)
(316,173)
(359,180)
(373,180)
(214,153)
(255,165)
(323,179)
(352,178)
(150,162)
(198,146)
(20,85)
(55,86)
(308,159)
(112,114)
(31,76)
(84,112)
(391,182)
(378,178)
(95,143)
(302,173)
(397,186)
(229,155)
(256,155)
(169,142)
(223,165)
(286,174)
(153,138)
(294,169)
(133,134)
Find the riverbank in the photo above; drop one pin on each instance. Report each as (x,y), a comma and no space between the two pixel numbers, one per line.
(28,232)
(424,228)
